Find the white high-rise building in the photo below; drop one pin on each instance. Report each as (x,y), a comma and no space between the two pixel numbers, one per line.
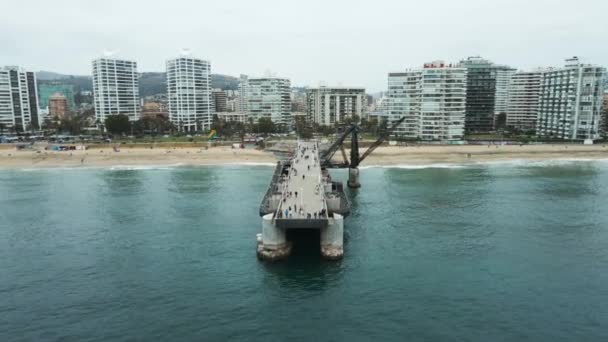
(242,97)
(570,105)
(604,121)
(268,97)
(380,109)
(19,100)
(189,93)
(487,92)
(327,106)
(432,99)
(503,78)
(115,88)
(522,104)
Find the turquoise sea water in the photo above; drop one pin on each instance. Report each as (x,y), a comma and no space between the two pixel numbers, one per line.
(503,252)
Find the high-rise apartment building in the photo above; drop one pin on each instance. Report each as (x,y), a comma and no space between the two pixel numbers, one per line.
(242,97)
(19,99)
(58,106)
(327,106)
(189,93)
(432,99)
(504,75)
(524,95)
(604,125)
(233,104)
(298,101)
(220,100)
(267,97)
(571,101)
(487,92)
(380,109)
(115,88)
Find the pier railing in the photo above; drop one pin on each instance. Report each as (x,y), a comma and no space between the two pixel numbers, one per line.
(265,207)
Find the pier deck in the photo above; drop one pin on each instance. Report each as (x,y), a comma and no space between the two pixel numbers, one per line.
(303,202)
(317,206)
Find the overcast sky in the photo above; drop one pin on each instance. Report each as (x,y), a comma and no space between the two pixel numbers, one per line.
(354,43)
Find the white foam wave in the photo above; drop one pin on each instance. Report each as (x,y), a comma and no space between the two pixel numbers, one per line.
(472,164)
(540,163)
(143,167)
(249,164)
(137,167)
(510,163)
(99,167)
(414,166)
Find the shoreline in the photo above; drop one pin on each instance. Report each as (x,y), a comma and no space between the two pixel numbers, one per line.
(411,156)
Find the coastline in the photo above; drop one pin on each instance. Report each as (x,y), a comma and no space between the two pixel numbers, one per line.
(386,156)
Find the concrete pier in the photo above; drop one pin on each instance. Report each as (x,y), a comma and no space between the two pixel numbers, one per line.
(353,178)
(271,243)
(305,189)
(332,238)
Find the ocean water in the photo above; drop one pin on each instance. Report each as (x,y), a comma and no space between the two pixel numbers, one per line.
(496,252)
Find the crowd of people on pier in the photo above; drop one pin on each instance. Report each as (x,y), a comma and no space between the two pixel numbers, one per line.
(288,210)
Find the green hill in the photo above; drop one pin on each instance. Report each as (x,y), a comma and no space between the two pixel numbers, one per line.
(150,83)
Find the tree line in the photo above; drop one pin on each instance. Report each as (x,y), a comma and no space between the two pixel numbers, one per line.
(120,125)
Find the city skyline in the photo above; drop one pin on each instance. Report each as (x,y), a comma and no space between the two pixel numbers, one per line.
(242,38)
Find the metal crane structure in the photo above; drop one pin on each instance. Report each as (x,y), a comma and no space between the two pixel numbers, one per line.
(355,157)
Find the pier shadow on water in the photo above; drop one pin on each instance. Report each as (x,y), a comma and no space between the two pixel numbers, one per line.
(306,243)
(305,271)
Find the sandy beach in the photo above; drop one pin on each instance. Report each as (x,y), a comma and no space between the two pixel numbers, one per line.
(383,156)
(100,157)
(470,154)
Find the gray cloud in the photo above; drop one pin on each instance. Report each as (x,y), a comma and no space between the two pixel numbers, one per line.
(337,42)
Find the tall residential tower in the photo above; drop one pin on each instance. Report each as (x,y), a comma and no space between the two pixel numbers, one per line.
(571,101)
(524,95)
(189,93)
(268,97)
(487,92)
(432,99)
(115,88)
(220,100)
(19,99)
(327,106)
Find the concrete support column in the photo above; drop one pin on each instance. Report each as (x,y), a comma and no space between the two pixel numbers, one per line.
(272,243)
(353,178)
(332,238)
